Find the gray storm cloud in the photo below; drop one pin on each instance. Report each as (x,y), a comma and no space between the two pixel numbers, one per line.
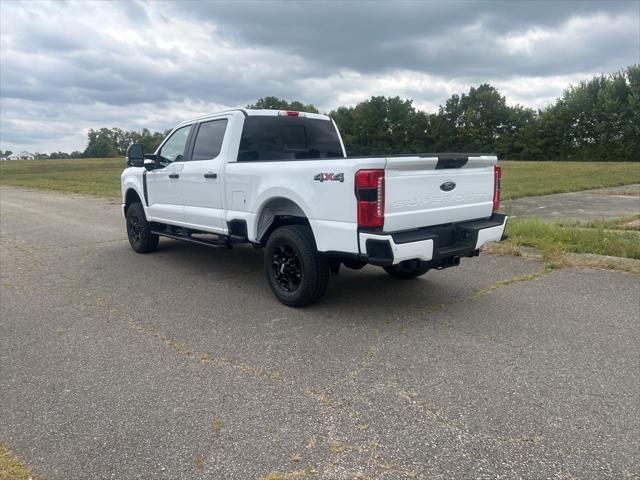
(68,67)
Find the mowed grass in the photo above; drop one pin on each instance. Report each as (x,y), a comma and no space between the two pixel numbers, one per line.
(87,176)
(614,238)
(101,176)
(530,179)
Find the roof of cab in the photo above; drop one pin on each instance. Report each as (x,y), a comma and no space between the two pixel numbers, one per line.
(250,112)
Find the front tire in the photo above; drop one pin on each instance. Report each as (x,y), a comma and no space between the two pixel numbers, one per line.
(139,230)
(297,274)
(406,270)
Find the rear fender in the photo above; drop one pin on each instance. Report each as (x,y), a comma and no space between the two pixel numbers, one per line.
(272,205)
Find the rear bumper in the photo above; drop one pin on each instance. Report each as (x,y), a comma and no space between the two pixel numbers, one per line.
(437,244)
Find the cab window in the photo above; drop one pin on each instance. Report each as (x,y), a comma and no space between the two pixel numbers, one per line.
(277,138)
(209,140)
(173,149)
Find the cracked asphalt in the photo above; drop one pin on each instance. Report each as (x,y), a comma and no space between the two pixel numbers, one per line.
(583,206)
(181,364)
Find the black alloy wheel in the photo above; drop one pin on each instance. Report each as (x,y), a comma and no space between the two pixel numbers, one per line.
(141,239)
(133,228)
(298,275)
(287,269)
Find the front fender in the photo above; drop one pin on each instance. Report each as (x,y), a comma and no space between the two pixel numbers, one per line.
(134,181)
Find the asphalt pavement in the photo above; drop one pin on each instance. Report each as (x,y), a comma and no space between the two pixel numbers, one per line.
(583,206)
(181,364)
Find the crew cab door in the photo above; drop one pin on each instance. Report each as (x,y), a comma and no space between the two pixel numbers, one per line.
(163,182)
(201,177)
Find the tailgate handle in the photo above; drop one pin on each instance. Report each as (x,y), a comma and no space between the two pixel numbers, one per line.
(451,162)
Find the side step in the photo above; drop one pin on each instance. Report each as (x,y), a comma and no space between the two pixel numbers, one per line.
(222,242)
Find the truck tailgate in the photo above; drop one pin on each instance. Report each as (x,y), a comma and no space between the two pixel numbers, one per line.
(423,191)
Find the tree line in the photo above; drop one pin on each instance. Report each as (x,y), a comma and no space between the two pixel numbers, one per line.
(113,142)
(109,142)
(598,119)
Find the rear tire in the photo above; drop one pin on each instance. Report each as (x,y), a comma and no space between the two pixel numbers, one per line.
(406,270)
(297,274)
(139,230)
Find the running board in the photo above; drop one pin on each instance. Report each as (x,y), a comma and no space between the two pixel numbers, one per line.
(222,243)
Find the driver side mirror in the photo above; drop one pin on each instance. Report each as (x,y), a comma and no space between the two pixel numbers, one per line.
(135,156)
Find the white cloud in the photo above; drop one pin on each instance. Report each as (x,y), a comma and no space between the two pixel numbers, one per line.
(523,43)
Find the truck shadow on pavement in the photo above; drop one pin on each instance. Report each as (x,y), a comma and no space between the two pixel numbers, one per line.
(240,273)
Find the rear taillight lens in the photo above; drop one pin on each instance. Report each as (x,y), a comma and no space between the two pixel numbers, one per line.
(370,195)
(497,175)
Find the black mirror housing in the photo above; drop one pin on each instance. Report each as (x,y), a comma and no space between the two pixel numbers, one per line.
(135,155)
(149,164)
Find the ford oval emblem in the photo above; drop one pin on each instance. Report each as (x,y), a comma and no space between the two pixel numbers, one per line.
(447,186)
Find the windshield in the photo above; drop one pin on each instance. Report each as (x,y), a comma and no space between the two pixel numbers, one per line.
(288,138)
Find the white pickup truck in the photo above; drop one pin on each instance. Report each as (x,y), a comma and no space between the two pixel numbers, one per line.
(282,180)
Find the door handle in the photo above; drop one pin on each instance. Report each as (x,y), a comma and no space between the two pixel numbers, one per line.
(174,175)
(210,175)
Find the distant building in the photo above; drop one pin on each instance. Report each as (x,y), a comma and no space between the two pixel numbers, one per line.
(21,156)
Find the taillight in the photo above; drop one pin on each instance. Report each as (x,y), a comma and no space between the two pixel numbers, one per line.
(370,195)
(497,175)
(290,114)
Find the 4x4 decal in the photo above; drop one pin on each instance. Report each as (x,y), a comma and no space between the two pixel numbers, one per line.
(329,177)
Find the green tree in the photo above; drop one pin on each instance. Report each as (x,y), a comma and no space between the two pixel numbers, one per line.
(121,139)
(481,121)
(101,144)
(382,126)
(275,103)
(58,155)
(631,129)
(513,140)
(598,119)
(111,142)
(149,141)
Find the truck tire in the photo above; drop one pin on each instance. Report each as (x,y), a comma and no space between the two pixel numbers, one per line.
(406,270)
(297,274)
(139,230)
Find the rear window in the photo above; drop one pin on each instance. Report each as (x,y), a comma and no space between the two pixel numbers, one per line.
(288,138)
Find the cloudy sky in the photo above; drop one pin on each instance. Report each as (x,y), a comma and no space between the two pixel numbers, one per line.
(70,66)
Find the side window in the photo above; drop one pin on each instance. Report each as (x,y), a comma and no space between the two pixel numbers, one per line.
(209,140)
(173,149)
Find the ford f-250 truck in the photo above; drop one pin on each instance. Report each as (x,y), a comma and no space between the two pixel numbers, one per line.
(282,180)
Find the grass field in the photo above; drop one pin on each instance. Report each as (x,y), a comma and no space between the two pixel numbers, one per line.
(528,179)
(613,238)
(90,176)
(101,176)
